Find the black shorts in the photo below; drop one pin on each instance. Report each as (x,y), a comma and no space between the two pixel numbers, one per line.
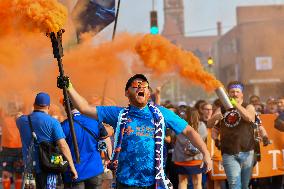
(90,183)
(11,160)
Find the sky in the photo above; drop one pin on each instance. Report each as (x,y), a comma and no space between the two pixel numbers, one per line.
(200,16)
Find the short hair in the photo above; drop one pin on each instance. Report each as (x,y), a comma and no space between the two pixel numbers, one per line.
(254,96)
(136,76)
(232,83)
(217,102)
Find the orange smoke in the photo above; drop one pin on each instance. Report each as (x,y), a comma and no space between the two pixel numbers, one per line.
(163,57)
(102,69)
(25,51)
(27,65)
(32,15)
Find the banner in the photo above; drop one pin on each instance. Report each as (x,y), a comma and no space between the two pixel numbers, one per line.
(272,156)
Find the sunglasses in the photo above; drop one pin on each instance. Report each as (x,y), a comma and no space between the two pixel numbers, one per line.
(139,84)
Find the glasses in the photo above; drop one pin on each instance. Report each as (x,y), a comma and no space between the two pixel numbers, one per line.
(139,84)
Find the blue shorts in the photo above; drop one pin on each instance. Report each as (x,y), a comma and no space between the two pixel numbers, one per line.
(190,170)
(12,160)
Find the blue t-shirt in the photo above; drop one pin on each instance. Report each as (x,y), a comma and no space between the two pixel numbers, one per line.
(90,160)
(137,157)
(46,128)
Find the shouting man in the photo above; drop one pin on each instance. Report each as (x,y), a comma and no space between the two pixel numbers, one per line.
(139,137)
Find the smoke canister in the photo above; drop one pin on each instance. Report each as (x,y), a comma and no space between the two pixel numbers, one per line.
(221,93)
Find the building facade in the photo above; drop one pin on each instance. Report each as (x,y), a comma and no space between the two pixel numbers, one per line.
(177,90)
(253,51)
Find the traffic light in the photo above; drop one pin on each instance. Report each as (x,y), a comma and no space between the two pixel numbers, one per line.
(154,23)
(210,61)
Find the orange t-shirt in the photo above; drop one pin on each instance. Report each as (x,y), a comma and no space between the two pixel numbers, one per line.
(10,133)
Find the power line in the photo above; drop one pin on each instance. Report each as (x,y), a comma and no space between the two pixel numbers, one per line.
(199,31)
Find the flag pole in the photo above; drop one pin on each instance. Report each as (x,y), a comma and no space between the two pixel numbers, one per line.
(115,21)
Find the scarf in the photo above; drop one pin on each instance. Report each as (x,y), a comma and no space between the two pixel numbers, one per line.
(161,181)
(51,181)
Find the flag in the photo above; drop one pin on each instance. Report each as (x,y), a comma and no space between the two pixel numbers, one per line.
(93,15)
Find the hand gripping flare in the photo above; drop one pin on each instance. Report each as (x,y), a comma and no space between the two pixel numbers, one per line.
(64,81)
(232,116)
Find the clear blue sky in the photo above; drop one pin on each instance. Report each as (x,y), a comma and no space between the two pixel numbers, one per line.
(200,15)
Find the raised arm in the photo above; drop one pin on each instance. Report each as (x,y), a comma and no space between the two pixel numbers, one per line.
(247,113)
(197,141)
(80,103)
(63,146)
(216,117)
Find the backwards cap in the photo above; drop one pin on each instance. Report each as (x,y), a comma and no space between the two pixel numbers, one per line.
(136,76)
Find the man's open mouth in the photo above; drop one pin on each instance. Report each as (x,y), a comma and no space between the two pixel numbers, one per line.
(141,94)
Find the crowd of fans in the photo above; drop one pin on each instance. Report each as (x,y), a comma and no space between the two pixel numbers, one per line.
(205,110)
(183,170)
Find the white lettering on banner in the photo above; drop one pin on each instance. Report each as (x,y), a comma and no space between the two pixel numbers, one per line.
(274,158)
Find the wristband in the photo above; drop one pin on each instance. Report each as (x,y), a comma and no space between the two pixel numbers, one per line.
(70,86)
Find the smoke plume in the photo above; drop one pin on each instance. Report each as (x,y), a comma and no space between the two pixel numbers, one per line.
(161,56)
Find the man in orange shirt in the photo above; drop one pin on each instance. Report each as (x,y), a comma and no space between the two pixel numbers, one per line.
(12,163)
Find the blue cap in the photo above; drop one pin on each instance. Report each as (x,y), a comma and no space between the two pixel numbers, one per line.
(42,99)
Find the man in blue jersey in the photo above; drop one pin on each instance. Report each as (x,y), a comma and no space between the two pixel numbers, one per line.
(140,131)
(90,169)
(46,129)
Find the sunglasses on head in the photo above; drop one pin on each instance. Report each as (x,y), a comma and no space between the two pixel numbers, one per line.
(139,84)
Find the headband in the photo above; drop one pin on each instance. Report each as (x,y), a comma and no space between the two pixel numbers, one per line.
(238,86)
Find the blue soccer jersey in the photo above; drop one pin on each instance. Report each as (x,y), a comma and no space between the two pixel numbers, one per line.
(137,157)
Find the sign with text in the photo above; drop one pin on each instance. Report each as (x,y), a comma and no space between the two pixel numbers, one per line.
(263,63)
(272,156)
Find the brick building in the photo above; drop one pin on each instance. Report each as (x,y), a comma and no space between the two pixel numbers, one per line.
(253,51)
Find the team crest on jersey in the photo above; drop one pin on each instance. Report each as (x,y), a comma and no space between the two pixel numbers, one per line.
(128,130)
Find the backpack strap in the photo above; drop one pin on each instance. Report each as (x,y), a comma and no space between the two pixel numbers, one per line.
(94,136)
(32,129)
(88,130)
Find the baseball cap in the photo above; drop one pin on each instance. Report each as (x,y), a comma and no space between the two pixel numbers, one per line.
(182,103)
(136,76)
(42,99)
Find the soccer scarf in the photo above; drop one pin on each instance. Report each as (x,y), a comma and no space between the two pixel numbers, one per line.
(162,182)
